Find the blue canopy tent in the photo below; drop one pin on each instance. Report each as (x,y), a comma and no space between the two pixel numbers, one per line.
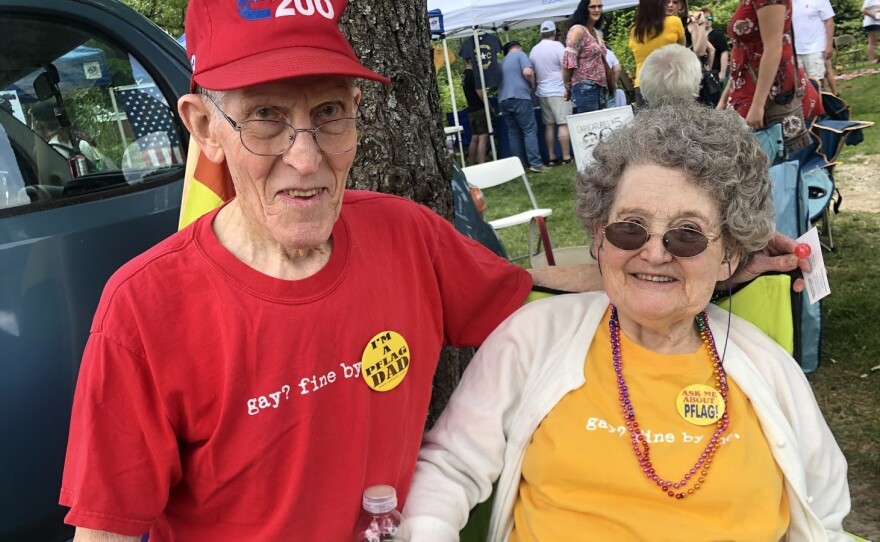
(82,67)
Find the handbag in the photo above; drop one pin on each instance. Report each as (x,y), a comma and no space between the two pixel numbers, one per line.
(787,110)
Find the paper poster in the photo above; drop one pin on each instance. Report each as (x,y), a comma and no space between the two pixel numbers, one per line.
(588,129)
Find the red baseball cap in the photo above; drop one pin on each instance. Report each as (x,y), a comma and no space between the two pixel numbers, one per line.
(240,43)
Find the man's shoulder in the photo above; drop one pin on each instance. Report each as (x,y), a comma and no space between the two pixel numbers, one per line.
(366,203)
(544,48)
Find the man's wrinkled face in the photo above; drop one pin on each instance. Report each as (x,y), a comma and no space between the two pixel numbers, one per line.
(292,199)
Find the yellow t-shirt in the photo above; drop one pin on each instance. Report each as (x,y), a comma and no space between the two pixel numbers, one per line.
(672,32)
(582,481)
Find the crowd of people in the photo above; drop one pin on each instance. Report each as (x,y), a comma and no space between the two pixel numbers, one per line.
(248,377)
(760,67)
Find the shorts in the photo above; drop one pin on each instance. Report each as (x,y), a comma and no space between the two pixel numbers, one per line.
(554,110)
(477,119)
(872,28)
(814,64)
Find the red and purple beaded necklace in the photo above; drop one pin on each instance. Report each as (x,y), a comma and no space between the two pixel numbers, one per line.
(637,437)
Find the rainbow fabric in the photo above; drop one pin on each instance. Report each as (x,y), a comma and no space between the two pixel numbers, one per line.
(206,185)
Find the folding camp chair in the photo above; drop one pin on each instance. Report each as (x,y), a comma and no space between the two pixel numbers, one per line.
(495,173)
(830,133)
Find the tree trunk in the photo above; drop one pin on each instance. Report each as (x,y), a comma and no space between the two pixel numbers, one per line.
(402,148)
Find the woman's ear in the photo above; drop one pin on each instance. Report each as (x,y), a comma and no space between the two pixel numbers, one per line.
(729,264)
(596,243)
(197,117)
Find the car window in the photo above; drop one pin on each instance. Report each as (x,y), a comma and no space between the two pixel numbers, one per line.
(78,116)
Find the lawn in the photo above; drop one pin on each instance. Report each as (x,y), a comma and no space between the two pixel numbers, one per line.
(847,389)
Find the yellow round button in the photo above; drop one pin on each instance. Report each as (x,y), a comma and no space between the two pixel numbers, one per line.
(700,404)
(385,361)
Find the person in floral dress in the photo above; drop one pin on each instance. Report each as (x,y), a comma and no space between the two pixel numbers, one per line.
(762,70)
(583,69)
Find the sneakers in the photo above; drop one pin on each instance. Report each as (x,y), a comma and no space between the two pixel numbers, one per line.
(540,169)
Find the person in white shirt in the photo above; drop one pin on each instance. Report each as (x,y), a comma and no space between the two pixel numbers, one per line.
(813,25)
(546,59)
(871,11)
(616,68)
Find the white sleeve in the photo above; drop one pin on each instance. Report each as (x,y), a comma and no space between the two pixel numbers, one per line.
(463,453)
(827,489)
(825,10)
(611,58)
(824,463)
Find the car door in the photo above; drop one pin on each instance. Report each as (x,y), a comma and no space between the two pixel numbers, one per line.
(91,170)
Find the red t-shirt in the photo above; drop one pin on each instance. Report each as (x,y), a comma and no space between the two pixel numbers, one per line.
(217,403)
(745,58)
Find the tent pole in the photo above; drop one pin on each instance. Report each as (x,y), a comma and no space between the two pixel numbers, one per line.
(478,53)
(458,128)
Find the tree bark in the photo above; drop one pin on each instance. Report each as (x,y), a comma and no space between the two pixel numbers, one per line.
(402,148)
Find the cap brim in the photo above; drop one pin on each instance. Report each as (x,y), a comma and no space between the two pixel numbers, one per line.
(281,64)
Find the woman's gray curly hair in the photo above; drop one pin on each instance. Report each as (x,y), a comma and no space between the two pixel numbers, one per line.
(715,150)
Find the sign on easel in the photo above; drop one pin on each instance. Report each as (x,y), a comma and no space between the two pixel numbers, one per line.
(588,129)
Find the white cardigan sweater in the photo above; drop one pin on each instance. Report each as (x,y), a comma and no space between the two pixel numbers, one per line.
(537,356)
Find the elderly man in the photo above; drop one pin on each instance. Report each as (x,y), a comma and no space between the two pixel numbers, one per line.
(249,376)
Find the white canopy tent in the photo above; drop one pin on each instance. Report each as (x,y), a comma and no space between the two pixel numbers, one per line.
(462,18)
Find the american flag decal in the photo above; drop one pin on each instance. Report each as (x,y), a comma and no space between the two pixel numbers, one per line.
(152,125)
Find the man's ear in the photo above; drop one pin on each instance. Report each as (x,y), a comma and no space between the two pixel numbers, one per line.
(197,118)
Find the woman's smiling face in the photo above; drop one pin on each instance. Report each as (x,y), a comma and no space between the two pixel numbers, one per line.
(649,285)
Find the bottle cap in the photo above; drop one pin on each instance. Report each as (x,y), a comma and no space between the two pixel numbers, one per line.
(379,499)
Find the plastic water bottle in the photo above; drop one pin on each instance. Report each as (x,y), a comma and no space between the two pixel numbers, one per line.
(380,521)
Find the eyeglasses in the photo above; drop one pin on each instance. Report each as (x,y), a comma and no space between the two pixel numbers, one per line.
(274,137)
(680,242)
(600,6)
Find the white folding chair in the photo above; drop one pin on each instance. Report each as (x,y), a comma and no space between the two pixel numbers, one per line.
(499,172)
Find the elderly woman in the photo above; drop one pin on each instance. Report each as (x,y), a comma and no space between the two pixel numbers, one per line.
(672,72)
(646,413)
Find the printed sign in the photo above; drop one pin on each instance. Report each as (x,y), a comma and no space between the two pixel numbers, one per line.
(588,129)
(817,279)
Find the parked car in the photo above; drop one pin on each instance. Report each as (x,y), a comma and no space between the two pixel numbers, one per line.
(91,171)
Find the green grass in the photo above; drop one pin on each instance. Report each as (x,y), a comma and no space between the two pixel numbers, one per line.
(845,387)
(847,390)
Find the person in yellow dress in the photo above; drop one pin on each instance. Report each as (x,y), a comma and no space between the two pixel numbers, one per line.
(657,24)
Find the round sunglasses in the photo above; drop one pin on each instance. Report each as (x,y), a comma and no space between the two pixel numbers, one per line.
(680,242)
